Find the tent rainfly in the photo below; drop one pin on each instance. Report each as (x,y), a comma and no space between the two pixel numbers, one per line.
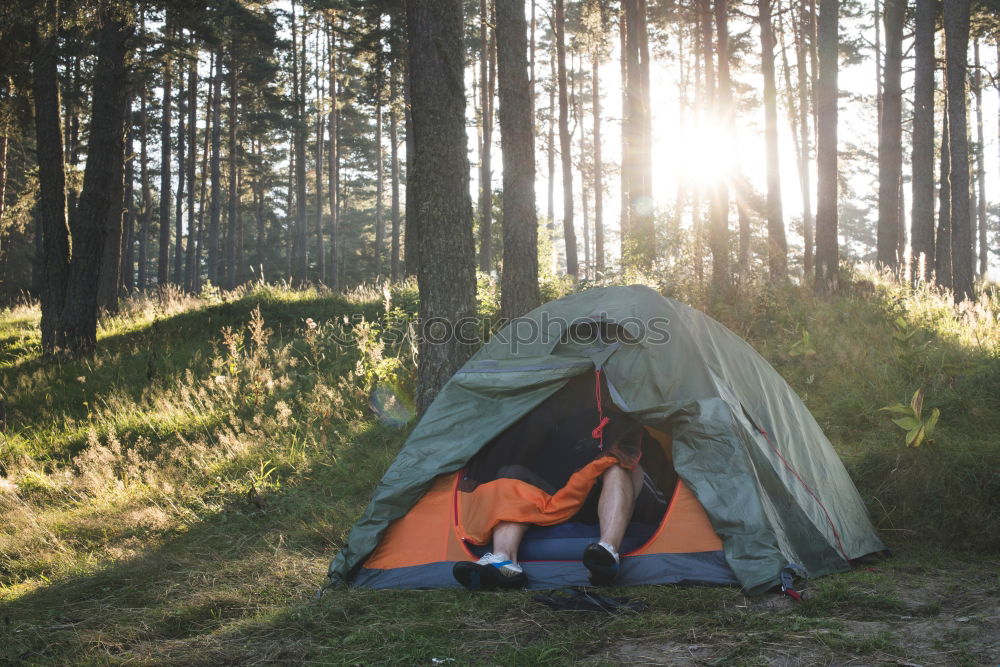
(755,489)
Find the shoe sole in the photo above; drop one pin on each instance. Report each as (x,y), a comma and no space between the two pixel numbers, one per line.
(602,565)
(476,577)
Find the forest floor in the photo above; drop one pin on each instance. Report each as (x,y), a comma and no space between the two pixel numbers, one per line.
(177,498)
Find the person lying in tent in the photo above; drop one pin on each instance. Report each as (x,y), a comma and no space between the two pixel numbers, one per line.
(569,460)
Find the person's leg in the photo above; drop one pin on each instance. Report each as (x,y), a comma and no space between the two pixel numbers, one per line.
(619,488)
(498,569)
(507,538)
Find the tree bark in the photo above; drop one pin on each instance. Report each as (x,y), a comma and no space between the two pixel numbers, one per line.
(192,108)
(320,150)
(487,87)
(827,249)
(51,176)
(163,264)
(103,183)
(595,89)
(300,264)
(942,249)
(394,267)
(214,240)
(777,247)
(639,243)
(565,141)
(441,206)
(890,144)
(181,177)
(334,165)
(234,250)
(805,145)
(519,280)
(922,183)
(980,167)
(128,238)
(956,31)
(379,184)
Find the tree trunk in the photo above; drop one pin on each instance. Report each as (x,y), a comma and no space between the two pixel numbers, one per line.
(128,242)
(233,251)
(565,141)
(214,241)
(595,89)
(519,280)
(181,176)
(111,258)
(334,165)
(320,149)
(890,146)
(777,248)
(956,32)
(203,201)
(639,244)
(410,231)
(379,184)
(942,249)
(576,102)
(103,183)
(51,176)
(827,250)
(922,192)
(394,175)
(441,206)
(980,167)
(487,87)
(163,264)
(805,145)
(192,108)
(719,96)
(300,266)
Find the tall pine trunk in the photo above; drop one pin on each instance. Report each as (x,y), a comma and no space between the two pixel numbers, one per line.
(300,265)
(181,177)
(805,144)
(192,108)
(890,144)
(441,208)
(922,160)
(956,32)
(214,239)
(827,248)
(519,280)
(98,213)
(980,167)
(487,84)
(128,237)
(595,90)
(777,248)
(639,244)
(565,141)
(320,150)
(234,237)
(379,184)
(394,175)
(51,176)
(163,263)
(942,243)
(333,171)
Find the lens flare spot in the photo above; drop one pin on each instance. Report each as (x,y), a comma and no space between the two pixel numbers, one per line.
(392,408)
(643,205)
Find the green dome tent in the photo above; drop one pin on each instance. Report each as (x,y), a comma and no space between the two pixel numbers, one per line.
(758,489)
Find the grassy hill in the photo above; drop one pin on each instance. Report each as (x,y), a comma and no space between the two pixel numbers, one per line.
(177,498)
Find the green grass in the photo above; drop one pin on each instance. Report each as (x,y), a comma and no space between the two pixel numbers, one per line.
(177,498)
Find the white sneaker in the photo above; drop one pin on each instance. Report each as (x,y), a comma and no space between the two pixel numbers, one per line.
(489,572)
